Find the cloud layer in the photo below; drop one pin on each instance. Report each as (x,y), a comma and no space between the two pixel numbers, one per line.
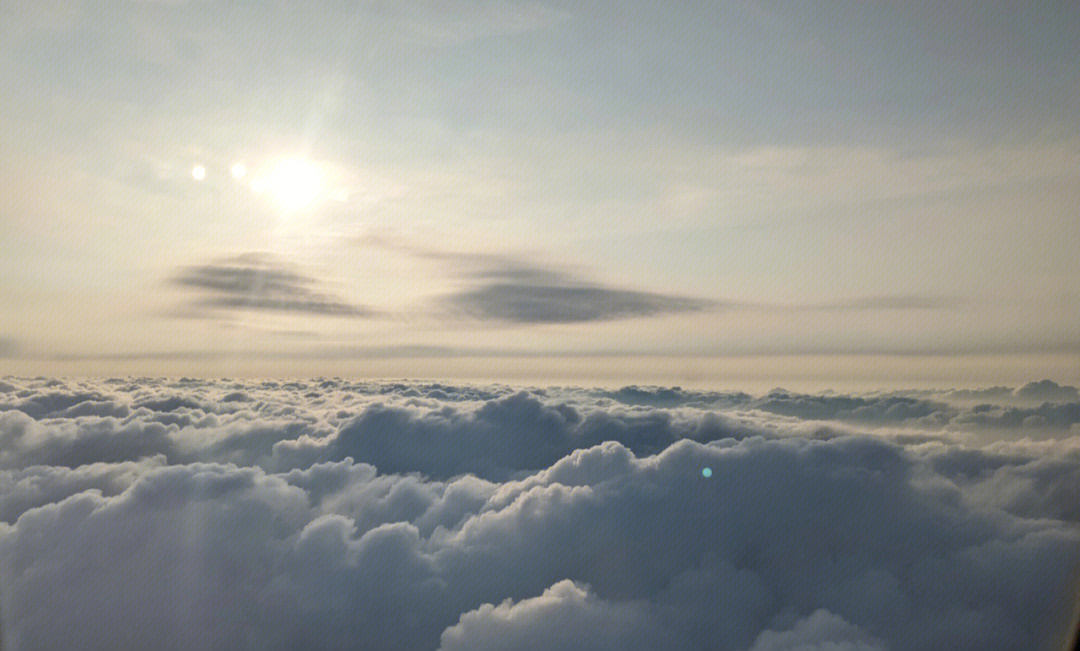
(333,514)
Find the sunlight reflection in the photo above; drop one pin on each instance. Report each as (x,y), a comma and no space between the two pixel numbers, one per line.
(293,183)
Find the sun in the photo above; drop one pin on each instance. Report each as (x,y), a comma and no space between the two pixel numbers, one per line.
(295,184)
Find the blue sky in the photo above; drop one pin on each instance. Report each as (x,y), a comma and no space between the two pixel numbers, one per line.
(887,191)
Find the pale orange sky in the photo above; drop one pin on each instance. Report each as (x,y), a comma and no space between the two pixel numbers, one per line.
(533,191)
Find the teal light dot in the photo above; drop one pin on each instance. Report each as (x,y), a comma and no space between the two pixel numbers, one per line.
(706,472)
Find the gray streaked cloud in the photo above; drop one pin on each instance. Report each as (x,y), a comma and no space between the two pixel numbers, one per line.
(513,289)
(519,291)
(260,282)
(533,303)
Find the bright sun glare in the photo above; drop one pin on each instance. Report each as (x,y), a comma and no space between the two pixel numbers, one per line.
(293,183)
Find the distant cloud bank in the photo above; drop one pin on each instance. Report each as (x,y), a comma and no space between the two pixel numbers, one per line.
(142,513)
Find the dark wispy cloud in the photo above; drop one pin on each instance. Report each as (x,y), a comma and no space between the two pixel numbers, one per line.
(260,282)
(516,290)
(510,291)
(502,288)
(534,303)
(330,513)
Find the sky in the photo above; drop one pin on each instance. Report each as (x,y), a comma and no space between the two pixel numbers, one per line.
(812,193)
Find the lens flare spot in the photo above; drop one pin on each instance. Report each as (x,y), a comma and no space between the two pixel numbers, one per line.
(198,172)
(706,472)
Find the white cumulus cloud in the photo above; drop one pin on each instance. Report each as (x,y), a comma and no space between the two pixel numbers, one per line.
(329,514)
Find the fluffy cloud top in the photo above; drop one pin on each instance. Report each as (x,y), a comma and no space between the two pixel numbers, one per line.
(329,514)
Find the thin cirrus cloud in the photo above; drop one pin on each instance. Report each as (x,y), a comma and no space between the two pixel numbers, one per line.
(891,302)
(260,282)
